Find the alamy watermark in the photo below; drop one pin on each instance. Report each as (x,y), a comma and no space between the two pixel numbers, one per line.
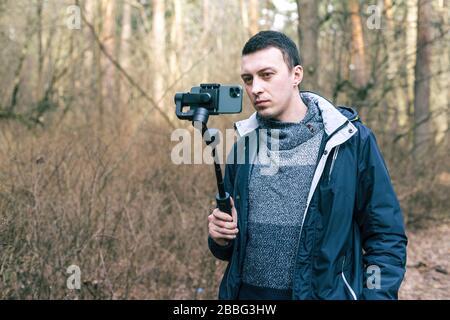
(74,280)
(374,19)
(373,280)
(260,148)
(73,17)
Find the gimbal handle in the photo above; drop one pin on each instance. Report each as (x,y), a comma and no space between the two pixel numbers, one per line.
(222,197)
(224,204)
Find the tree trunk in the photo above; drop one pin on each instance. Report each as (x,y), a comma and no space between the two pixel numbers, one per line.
(125,36)
(447,131)
(176,40)
(159,48)
(108,39)
(358,56)
(89,9)
(40,81)
(208,17)
(244,15)
(389,25)
(97,63)
(422,134)
(444,6)
(254,17)
(440,89)
(400,112)
(411,44)
(308,32)
(125,52)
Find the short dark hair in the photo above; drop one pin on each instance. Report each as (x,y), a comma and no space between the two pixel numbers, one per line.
(267,39)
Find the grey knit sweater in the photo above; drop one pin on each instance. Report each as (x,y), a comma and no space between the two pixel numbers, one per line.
(277,204)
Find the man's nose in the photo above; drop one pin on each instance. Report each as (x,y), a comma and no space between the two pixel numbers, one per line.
(257,87)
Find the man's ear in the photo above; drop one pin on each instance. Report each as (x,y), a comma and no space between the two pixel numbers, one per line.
(298,75)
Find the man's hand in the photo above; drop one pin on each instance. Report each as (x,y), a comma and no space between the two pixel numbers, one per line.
(223,227)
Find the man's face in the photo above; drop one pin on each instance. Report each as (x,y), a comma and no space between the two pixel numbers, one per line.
(269,83)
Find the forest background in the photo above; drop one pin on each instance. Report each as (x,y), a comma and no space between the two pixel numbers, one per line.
(87,185)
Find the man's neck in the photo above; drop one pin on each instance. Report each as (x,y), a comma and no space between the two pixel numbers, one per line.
(296,111)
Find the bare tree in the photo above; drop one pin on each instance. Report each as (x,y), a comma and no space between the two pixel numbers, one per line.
(159,47)
(308,31)
(125,53)
(254,16)
(89,9)
(176,39)
(97,61)
(358,55)
(244,15)
(411,45)
(108,39)
(422,138)
(125,36)
(40,51)
(400,117)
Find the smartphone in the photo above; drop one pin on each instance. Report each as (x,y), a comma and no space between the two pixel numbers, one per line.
(230,98)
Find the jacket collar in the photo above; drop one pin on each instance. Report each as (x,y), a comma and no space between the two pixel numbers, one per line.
(332,118)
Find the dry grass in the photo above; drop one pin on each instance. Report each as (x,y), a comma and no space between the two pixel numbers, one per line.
(132,221)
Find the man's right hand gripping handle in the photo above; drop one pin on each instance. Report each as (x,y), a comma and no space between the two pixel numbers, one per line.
(222,227)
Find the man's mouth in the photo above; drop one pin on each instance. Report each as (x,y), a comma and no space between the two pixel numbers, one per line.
(260,102)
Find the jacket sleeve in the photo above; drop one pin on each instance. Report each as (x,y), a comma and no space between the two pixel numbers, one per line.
(381,224)
(224,252)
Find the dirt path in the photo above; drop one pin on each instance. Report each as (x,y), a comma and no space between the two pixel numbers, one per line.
(428,267)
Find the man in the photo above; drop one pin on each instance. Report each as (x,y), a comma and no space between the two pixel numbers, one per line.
(327,223)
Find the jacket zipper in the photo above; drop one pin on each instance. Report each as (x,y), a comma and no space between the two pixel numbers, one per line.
(336,150)
(306,211)
(346,282)
(301,229)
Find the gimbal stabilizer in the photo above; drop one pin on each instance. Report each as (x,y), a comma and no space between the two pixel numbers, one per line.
(203,102)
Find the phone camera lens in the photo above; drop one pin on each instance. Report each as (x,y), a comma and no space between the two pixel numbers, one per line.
(235,92)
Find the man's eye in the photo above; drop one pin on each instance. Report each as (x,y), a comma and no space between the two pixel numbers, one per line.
(266,75)
(247,80)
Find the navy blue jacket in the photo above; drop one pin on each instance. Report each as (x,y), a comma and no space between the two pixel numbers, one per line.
(352,242)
